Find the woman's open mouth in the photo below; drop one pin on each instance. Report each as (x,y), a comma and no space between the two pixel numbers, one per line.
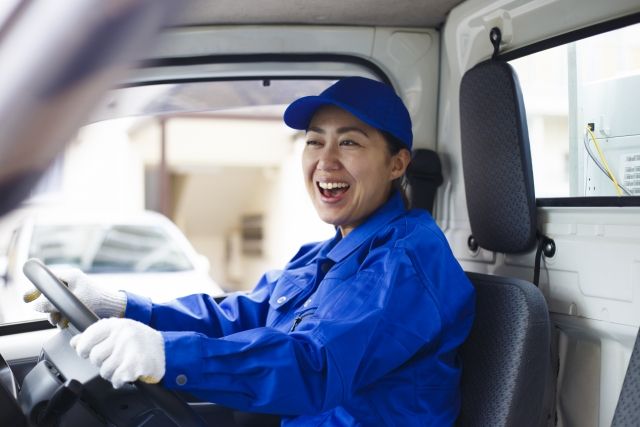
(332,191)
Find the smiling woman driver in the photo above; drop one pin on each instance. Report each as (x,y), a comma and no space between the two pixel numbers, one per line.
(362,329)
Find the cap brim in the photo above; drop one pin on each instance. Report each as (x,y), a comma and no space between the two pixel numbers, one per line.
(300,112)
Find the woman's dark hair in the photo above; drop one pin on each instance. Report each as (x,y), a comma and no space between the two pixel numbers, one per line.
(400,184)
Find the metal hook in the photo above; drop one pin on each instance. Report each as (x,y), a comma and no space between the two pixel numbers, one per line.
(548,247)
(472,244)
(495,35)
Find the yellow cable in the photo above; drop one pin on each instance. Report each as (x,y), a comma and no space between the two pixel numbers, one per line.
(604,161)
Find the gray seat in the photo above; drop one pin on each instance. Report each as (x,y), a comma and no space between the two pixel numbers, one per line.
(507,378)
(627,412)
(506,357)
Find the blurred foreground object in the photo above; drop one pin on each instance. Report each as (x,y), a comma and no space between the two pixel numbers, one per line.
(57,59)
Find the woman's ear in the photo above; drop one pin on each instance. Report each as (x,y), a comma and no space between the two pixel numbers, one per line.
(399,163)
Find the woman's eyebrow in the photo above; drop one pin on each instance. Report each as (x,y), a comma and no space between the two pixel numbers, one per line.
(352,129)
(341,130)
(315,129)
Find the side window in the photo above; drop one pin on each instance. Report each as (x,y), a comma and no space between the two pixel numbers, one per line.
(581,102)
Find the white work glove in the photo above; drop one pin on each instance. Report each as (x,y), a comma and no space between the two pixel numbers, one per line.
(124,350)
(102,301)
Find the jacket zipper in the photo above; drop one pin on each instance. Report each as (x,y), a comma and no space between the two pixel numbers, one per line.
(299,318)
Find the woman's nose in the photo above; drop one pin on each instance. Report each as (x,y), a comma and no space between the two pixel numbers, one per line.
(328,159)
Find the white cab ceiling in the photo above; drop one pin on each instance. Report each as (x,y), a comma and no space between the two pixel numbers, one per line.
(396,13)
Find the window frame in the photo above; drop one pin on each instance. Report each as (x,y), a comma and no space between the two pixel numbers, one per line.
(563,39)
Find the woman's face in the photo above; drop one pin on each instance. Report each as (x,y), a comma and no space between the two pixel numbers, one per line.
(348,168)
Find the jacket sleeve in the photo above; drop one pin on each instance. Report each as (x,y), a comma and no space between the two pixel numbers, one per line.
(385,319)
(200,313)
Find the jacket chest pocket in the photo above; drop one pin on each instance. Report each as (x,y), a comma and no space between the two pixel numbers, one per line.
(302,318)
(284,299)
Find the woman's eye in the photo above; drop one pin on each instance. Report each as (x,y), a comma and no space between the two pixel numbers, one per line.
(312,142)
(349,143)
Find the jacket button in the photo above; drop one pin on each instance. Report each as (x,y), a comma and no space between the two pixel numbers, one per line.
(326,266)
(181,379)
(281,300)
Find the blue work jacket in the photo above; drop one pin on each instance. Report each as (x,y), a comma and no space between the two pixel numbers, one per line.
(361,330)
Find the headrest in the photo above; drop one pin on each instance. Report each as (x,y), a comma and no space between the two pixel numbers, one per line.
(425,176)
(496,159)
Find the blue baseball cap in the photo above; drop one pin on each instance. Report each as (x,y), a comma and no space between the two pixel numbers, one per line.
(371,101)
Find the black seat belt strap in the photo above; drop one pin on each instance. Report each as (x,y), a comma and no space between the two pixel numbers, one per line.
(547,246)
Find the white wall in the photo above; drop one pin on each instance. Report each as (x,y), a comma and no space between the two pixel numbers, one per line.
(102,171)
(213,247)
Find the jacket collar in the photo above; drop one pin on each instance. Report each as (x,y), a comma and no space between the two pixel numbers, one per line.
(362,233)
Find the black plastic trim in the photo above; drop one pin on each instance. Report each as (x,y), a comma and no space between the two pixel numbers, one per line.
(604,201)
(175,80)
(262,57)
(571,36)
(24,327)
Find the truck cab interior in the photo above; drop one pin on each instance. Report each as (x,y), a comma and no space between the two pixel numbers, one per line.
(526,153)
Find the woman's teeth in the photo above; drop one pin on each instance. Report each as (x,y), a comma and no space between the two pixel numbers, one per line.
(333,189)
(332,185)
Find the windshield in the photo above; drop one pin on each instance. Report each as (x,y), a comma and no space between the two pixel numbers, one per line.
(108,249)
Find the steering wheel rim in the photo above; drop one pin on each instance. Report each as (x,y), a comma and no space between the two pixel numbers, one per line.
(81,317)
(54,289)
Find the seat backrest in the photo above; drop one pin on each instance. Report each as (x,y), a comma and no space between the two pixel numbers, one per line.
(506,357)
(507,379)
(496,159)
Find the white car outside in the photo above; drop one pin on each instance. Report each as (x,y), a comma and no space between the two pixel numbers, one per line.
(143,253)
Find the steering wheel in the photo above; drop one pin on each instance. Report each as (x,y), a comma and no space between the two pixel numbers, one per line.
(81,317)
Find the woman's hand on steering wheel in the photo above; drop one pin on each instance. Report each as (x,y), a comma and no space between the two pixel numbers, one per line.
(102,301)
(124,350)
